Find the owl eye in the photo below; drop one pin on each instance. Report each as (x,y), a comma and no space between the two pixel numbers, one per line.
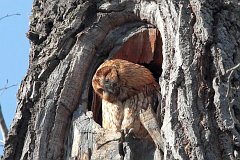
(114,84)
(100,90)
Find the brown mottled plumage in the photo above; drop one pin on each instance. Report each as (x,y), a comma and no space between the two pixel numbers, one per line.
(118,80)
(129,93)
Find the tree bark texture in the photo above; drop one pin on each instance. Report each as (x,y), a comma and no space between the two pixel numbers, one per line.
(199,42)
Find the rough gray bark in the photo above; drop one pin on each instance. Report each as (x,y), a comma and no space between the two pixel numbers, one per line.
(200,89)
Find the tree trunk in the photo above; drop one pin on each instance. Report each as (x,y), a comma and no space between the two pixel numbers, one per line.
(193,47)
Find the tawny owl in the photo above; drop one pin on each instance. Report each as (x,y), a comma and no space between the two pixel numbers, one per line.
(129,95)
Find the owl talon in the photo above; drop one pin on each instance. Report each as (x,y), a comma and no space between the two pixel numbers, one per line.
(124,131)
(128,132)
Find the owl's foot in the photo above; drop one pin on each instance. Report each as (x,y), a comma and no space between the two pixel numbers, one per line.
(127,132)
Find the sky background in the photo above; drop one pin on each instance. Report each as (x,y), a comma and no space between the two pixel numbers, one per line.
(14,53)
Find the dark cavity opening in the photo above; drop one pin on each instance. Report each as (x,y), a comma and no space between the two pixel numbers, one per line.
(143,46)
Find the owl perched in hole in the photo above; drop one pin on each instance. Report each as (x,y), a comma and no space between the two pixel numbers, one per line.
(129,95)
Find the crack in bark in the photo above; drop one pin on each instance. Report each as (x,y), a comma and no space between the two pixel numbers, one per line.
(54,122)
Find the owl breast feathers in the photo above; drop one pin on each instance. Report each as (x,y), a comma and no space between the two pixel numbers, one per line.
(118,80)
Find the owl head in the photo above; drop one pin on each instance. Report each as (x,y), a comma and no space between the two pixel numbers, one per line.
(105,83)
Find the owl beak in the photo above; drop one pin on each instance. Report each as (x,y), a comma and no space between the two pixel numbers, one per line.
(108,88)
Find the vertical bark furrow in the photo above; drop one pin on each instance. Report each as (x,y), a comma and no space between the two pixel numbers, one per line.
(199,82)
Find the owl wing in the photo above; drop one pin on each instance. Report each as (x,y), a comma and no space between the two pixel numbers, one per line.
(149,120)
